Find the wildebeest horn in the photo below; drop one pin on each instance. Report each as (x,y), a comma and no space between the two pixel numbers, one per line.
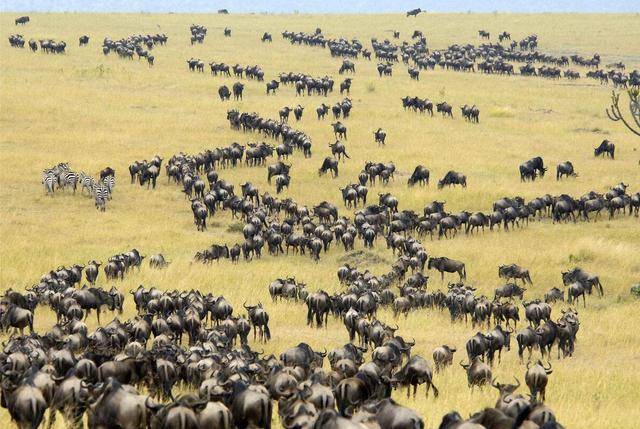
(528,365)
(323,354)
(547,369)
(495,384)
(517,381)
(463,365)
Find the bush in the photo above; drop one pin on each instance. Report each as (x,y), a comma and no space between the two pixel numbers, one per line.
(635,290)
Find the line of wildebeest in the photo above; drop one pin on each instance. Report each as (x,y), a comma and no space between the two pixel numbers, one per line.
(127,373)
(486,58)
(73,371)
(495,58)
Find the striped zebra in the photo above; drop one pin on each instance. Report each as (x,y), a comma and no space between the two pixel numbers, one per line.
(101,194)
(58,170)
(110,183)
(69,178)
(87,182)
(49,180)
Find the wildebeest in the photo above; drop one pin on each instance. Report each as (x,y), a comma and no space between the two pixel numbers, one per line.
(380,135)
(272,86)
(339,130)
(158,261)
(565,169)
(444,264)
(530,169)
(83,40)
(478,372)
(238,88)
(605,148)
(444,108)
(224,93)
(259,320)
(453,178)
(22,20)
(414,12)
(509,290)
(537,378)
(470,113)
(513,271)
(329,164)
(420,175)
(443,356)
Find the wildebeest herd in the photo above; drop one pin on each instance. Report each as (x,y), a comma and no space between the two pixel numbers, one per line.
(184,359)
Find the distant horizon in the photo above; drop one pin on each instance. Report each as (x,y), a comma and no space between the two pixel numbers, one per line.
(321,6)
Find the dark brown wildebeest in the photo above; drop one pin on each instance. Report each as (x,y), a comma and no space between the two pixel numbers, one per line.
(420,175)
(339,130)
(380,136)
(470,113)
(238,88)
(414,12)
(158,261)
(453,178)
(443,356)
(224,93)
(579,275)
(565,169)
(554,294)
(338,150)
(388,414)
(605,148)
(17,318)
(537,378)
(444,264)
(329,164)
(416,371)
(513,271)
(478,372)
(444,108)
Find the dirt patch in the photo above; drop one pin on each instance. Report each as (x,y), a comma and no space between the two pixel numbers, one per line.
(362,257)
(544,111)
(595,130)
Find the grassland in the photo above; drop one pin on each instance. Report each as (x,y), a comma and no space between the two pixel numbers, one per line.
(93,111)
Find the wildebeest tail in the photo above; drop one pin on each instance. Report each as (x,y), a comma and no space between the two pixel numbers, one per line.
(267,332)
(436,392)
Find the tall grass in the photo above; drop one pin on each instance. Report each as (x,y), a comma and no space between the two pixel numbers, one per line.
(93,111)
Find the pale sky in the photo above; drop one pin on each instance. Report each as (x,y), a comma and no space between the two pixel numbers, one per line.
(320,6)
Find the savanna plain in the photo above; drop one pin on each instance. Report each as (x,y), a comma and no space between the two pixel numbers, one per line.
(93,111)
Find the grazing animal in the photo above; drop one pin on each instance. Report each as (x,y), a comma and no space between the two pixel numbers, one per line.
(606,148)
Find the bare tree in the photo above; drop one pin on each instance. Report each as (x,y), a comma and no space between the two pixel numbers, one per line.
(634,107)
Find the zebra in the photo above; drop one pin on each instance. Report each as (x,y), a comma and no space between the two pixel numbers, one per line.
(69,178)
(59,169)
(109,182)
(101,194)
(48,180)
(87,182)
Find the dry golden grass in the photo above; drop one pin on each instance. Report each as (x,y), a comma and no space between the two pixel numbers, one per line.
(92,111)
